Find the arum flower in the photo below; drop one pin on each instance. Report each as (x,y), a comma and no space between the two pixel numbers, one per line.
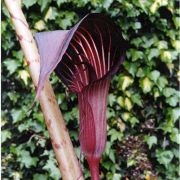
(85,58)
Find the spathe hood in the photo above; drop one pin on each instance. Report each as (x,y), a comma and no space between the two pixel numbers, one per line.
(93,48)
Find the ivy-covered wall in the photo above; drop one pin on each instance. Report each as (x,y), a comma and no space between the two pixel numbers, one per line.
(143,110)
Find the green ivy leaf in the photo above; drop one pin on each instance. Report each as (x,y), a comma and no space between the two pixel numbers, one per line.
(142,72)
(168,91)
(176,44)
(24,75)
(28,3)
(162,45)
(5,134)
(136,54)
(151,140)
(166,56)
(107,4)
(51,167)
(112,156)
(128,104)
(11,65)
(164,157)
(17,115)
(156,93)
(131,67)
(172,101)
(153,53)
(154,75)
(18,55)
(115,135)
(175,114)
(39,25)
(133,121)
(120,101)
(59,2)
(26,160)
(43,4)
(177,22)
(146,85)
(66,19)
(162,82)
(175,135)
(125,116)
(149,41)
(13,96)
(117,176)
(23,127)
(136,99)
(40,177)
(51,14)
(3,26)
(111,99)
(137,25)
(131,162)
(125,81)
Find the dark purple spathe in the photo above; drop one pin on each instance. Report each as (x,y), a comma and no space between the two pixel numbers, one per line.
(85,58)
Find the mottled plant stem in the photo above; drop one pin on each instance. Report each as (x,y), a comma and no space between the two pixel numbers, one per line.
(66,158)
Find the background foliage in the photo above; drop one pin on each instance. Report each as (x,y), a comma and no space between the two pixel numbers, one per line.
(143,110)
